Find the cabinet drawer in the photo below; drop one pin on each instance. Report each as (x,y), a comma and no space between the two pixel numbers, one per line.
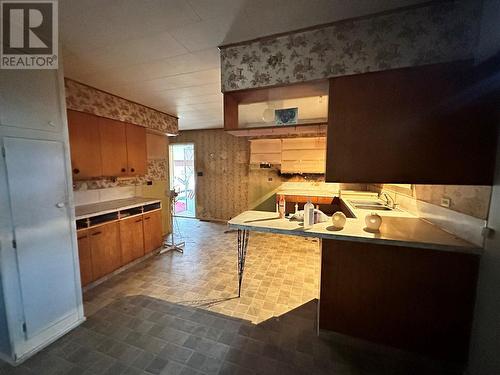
(298,155)
(314,143)
(305,166)
(265,158)
(265,146)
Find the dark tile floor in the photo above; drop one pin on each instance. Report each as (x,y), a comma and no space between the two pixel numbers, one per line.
(136,326)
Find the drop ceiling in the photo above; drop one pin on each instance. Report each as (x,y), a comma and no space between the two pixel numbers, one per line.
(163,53)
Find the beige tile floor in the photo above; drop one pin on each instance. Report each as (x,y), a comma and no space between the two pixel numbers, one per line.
(281,273)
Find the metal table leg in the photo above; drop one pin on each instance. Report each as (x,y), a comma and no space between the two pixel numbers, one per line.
(242,253)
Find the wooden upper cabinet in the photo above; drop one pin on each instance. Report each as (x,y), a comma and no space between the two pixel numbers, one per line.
(85,145)
(136,150)
(153,233)
(113,147)
(412,125)
(131,238)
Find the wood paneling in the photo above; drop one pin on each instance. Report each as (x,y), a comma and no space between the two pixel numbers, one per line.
(136,150)
(105,249)
(413,125)
(113,147)
(85,256)
(153,238)
(84,144)
(414,299)
(131,238)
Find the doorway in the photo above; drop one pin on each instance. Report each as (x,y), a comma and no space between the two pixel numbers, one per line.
(182,178)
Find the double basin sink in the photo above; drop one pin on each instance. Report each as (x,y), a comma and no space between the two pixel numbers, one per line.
(371,205)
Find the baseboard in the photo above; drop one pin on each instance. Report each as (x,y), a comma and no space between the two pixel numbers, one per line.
(36,349)
(93,284)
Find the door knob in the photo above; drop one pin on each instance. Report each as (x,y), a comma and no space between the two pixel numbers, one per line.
(76,171)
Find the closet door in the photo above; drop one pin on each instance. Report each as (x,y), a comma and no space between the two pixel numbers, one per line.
(42,231)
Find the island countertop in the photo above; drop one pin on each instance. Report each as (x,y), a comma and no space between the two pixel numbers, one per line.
(399,230)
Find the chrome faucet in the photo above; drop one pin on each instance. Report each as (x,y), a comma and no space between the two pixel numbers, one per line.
(390,202)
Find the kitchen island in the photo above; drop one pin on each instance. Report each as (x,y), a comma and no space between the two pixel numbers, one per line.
(410,286)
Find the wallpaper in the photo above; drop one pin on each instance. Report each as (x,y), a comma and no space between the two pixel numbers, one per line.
(88,99)
(439,32)
(222,191)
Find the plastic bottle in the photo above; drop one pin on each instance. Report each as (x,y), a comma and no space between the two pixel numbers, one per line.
(296,207)
(308,214)
(282,206)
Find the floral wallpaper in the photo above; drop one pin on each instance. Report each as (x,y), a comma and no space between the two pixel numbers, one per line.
(157,171)
(88,99)
(439,32)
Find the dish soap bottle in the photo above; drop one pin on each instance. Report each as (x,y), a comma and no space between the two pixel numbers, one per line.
(308,214)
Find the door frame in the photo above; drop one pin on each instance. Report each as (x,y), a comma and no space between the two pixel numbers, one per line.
(195,175)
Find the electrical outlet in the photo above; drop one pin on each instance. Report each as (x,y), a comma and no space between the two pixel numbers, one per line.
(445,202)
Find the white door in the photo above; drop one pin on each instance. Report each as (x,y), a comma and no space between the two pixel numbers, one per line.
(42,230)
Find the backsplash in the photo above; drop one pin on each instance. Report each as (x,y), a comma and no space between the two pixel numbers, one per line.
(435,32)
(466,217)
(83,98)
(469,200)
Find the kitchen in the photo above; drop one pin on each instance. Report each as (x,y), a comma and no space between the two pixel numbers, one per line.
(344,193)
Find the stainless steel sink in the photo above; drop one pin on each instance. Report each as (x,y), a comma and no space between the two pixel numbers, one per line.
(375,207)
(367,203)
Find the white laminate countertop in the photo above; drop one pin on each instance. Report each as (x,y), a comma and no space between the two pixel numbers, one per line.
(101,208)
(398,228)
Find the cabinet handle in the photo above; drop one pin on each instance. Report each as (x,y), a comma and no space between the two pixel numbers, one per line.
(138,221)
(147,218)
(81,238)
(76,171)
(132,170)
(96,233)
(123,170)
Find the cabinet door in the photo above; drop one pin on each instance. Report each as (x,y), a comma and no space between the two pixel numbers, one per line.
(105,249)
(131,238)
(153,236)
(136,150)
(84,254)
(85,145)
(113,147)
(413,125)
(32,99)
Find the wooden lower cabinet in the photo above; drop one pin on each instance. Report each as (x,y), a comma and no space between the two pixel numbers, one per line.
(132,238)
(84,253)
(105,249)
(414,299)
(153,233)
